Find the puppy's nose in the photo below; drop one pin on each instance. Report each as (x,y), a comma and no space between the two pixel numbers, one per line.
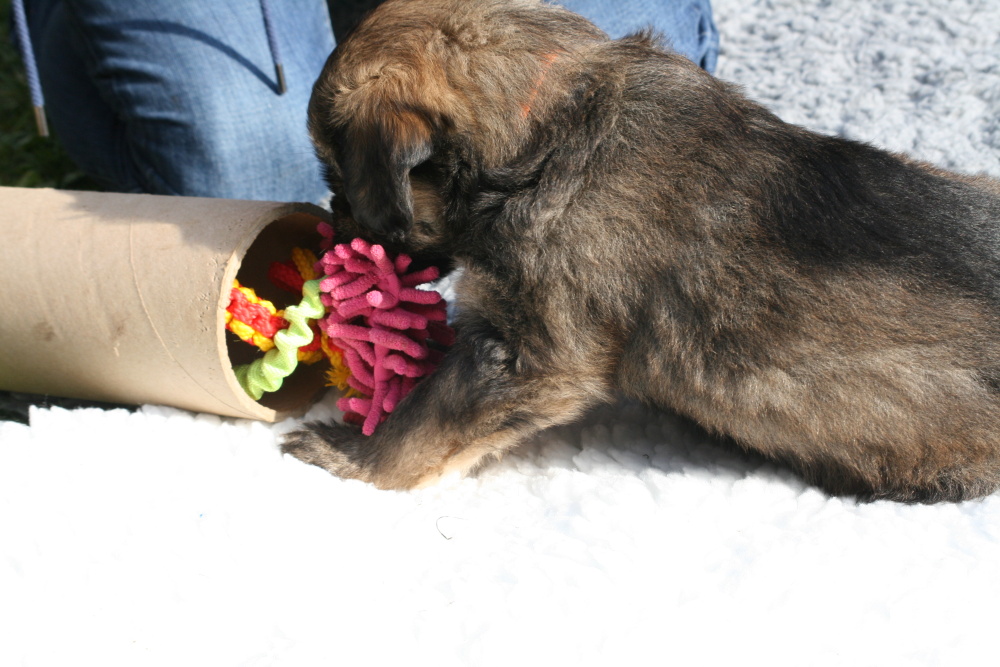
(389,228)
(396,236)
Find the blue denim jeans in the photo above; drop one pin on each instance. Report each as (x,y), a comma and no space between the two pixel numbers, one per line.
(181,96)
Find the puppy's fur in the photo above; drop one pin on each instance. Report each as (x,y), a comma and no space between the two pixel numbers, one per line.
(627,223)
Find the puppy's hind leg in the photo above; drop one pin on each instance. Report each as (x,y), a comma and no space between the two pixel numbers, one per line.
(474,405)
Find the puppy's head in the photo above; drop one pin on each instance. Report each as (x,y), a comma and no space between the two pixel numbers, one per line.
(424,90)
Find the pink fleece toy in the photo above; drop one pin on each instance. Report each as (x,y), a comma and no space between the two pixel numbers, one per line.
(382,322)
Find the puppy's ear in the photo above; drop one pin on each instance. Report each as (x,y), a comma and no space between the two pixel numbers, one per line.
(378,154)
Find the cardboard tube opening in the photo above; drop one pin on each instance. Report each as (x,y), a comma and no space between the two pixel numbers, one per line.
(275,244)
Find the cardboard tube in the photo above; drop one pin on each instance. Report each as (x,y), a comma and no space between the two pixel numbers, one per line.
(121,298)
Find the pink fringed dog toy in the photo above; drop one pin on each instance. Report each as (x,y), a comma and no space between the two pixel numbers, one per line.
(382,322)
(375,322)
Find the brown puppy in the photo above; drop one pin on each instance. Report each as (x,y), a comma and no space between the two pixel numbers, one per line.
(627,223)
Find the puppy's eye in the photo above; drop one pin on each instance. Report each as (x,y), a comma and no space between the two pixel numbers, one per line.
(427,171)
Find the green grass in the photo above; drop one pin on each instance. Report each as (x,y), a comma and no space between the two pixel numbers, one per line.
(27,160)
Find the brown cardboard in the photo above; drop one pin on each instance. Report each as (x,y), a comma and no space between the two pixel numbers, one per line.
(117,297)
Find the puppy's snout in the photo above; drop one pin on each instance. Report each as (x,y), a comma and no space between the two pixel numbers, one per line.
(385,224)
(373,225)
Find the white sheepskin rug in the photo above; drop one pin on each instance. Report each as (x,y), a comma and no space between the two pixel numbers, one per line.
(160,537)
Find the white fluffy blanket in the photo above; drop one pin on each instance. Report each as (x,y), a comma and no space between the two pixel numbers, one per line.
(166,538)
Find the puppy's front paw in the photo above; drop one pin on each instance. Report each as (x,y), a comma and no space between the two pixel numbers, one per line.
(337,448)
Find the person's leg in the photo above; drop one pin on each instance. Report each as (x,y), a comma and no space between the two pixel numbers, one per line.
(181,97)
(83,122)
(686,24)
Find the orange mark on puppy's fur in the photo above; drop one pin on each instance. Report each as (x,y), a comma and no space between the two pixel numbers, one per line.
(547,61)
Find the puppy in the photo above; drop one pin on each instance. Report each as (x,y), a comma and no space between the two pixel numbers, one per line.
(628,224)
